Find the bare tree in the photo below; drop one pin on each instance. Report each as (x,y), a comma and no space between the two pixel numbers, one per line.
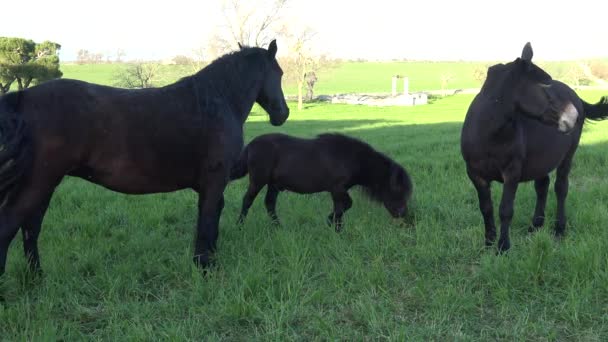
(197,62)
(138,75)
(247,22)
(445,79)
(119,54)
(479,73)
(301,65)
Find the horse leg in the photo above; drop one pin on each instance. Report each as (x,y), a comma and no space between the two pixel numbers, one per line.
(342,202)
(25,210)
(542,188)
(484,195)
(210,205)
(561,191)
(8,229)
(506,213)
(30,231)
(271,203)
(252,192)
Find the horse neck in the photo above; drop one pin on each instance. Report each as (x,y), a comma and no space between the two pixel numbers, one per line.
(236,93)
(372,172)
(494,121)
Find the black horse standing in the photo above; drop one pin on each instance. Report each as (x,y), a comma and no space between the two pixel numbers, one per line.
(520,127)
(185,135)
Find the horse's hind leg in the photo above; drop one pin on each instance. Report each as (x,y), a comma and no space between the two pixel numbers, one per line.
(342,202)
(252,191)
(542,188)
(30,231)
(270,201)
(561,192)
(25,210)
(9,225)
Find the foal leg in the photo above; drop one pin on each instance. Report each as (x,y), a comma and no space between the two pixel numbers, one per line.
(506,213)
(561,191)
(252,192)
(342,202)
(271,203)
(210,205)
(542,188)
(484,196)
(30,231)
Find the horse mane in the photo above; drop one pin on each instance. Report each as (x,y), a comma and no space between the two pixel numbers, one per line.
(376,167)
(218,77)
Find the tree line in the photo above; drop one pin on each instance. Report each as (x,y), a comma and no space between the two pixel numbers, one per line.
(26,63)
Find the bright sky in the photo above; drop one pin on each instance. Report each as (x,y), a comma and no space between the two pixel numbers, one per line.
(378,29)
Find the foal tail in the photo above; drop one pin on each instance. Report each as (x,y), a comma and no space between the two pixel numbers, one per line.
(239,169)
(15,154)
(598,111)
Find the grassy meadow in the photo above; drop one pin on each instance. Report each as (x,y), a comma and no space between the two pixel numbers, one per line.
(118,267)
(344,77)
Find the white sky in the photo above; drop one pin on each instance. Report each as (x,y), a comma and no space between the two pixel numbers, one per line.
(378,29)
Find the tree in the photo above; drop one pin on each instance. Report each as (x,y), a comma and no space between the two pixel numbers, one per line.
(250,23)
(119,54)
(6,79)
(445,79)
(138,75)
(480,73)
(301,63)
(26,62)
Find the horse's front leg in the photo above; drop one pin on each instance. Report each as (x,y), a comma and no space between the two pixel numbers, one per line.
(484,195)
(342,202)
(506,213)
(210,205)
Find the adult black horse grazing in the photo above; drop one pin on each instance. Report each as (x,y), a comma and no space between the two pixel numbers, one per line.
(520,127)
(185,135)
(330,162)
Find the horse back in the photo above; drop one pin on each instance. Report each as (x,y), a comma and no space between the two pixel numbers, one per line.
(127,140)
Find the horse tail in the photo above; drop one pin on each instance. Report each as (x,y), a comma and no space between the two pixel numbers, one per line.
(15,147)
(598,111)
(239,169)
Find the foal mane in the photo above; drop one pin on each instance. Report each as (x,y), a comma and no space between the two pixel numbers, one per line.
(376,168)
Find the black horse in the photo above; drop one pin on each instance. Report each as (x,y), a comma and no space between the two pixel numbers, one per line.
(330,162)
(185,135)
(520,127)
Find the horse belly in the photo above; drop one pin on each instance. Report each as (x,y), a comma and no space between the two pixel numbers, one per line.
(133,178)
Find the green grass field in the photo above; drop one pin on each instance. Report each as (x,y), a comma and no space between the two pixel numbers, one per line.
(119,268)
(347,77)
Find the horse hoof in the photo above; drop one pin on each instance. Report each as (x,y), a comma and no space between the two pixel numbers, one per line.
(503,246)
(202,261)
(559,233)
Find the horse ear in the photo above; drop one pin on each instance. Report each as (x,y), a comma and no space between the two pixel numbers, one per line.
(240,45)
(272,49)
(526,53)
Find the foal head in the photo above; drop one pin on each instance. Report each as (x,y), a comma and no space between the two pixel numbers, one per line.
(522,87)
(393,189)
(271,96)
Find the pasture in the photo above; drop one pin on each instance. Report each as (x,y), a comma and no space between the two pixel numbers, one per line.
(345,77)
(119,267)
